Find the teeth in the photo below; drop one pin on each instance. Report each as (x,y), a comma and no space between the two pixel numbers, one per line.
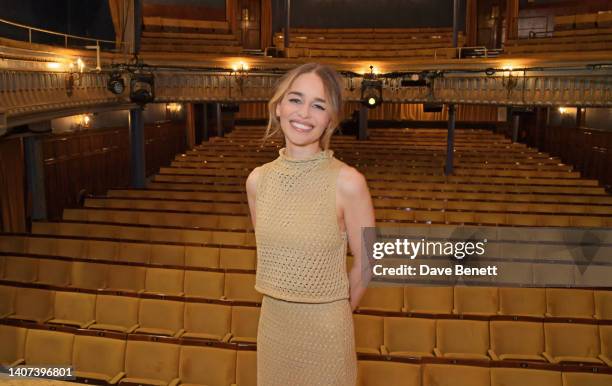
(301,126)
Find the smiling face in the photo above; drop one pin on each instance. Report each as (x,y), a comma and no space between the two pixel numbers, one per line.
(303,112)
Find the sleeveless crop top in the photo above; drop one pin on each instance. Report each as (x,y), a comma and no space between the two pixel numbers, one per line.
(301,253)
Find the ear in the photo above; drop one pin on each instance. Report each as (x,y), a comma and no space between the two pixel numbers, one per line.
(278,110)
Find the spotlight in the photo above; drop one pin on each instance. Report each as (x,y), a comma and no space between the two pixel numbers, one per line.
(371,92)
(115,84)
(142,88)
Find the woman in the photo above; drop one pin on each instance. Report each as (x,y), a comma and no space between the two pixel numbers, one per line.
(305,205)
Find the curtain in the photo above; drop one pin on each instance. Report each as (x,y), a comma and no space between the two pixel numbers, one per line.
(12,183)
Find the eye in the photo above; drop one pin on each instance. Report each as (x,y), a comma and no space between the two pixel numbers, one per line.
(294,100)
(320,107)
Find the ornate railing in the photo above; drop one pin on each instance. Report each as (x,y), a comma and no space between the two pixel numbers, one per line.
(28,96)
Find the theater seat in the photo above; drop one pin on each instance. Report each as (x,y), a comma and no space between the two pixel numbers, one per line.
(246,368)
(126,278)
(207,366)
(517,340)
(586,379)
(409,337)
(232,258)
(204,284)
(88,275)
(241,287)
(455,375)
(33,304)
(462,339)
(244,324)
(428,300)
(523,377)
(151,363)
(12,349)
(164,281)
(368,333)
(207,321)
(162,254)
(134,252)
(522,301)
(572,342)
(99,359)
(206,257)
(7,300)
(54,272)
(603,305)
(570,303)
(116,313)
(476,300)
(21,269)
(74,309)
(160,317)
(48,348)
(605,335)
(374,373)
(388,298)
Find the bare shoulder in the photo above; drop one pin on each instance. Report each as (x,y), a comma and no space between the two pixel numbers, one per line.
(351,183)
(251,181)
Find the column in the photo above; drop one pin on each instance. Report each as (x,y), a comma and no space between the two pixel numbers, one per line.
(450,141)
(137,149)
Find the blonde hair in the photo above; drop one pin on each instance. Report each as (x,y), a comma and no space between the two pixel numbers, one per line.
(332,84)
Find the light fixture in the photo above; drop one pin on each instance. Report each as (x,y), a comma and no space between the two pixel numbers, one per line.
(239,71)
(115,83)
(74,78)
(174,108)
(562,110)
(371,90)
(142,88)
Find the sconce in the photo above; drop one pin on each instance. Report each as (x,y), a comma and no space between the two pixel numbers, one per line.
(74,77)
(173,109)
(240,73)
(81,122)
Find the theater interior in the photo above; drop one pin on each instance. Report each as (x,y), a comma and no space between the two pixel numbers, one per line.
(128,129)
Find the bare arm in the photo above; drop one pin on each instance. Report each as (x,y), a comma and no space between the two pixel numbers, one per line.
(251,189)
(358,211)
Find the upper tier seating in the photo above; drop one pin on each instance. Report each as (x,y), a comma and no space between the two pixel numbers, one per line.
(369,42)
(161,34)
(584,32)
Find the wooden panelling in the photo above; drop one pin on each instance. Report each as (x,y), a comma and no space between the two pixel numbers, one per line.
(98,160)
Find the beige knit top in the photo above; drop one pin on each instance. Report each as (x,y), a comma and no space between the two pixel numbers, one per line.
(301,253)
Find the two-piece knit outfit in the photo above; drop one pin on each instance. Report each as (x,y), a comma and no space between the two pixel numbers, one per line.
(305,334)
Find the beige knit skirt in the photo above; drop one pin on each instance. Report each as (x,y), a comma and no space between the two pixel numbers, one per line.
(306,344)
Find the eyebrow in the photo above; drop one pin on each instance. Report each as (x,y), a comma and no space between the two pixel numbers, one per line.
(302,95)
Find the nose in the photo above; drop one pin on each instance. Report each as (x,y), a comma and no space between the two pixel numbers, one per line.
(304,110)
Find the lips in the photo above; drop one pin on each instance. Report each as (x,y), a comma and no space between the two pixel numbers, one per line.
(301,127)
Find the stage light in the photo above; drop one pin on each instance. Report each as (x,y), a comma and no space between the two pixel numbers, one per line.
(142,88)
(115,84)
(371,92)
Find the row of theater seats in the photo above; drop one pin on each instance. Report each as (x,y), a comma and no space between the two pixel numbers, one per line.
(172,35)
(550,341)
(118,361)
(368,42)
(584,32)
(130,314)
(584,21)
(127,278)
(138,250)
(190,283)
